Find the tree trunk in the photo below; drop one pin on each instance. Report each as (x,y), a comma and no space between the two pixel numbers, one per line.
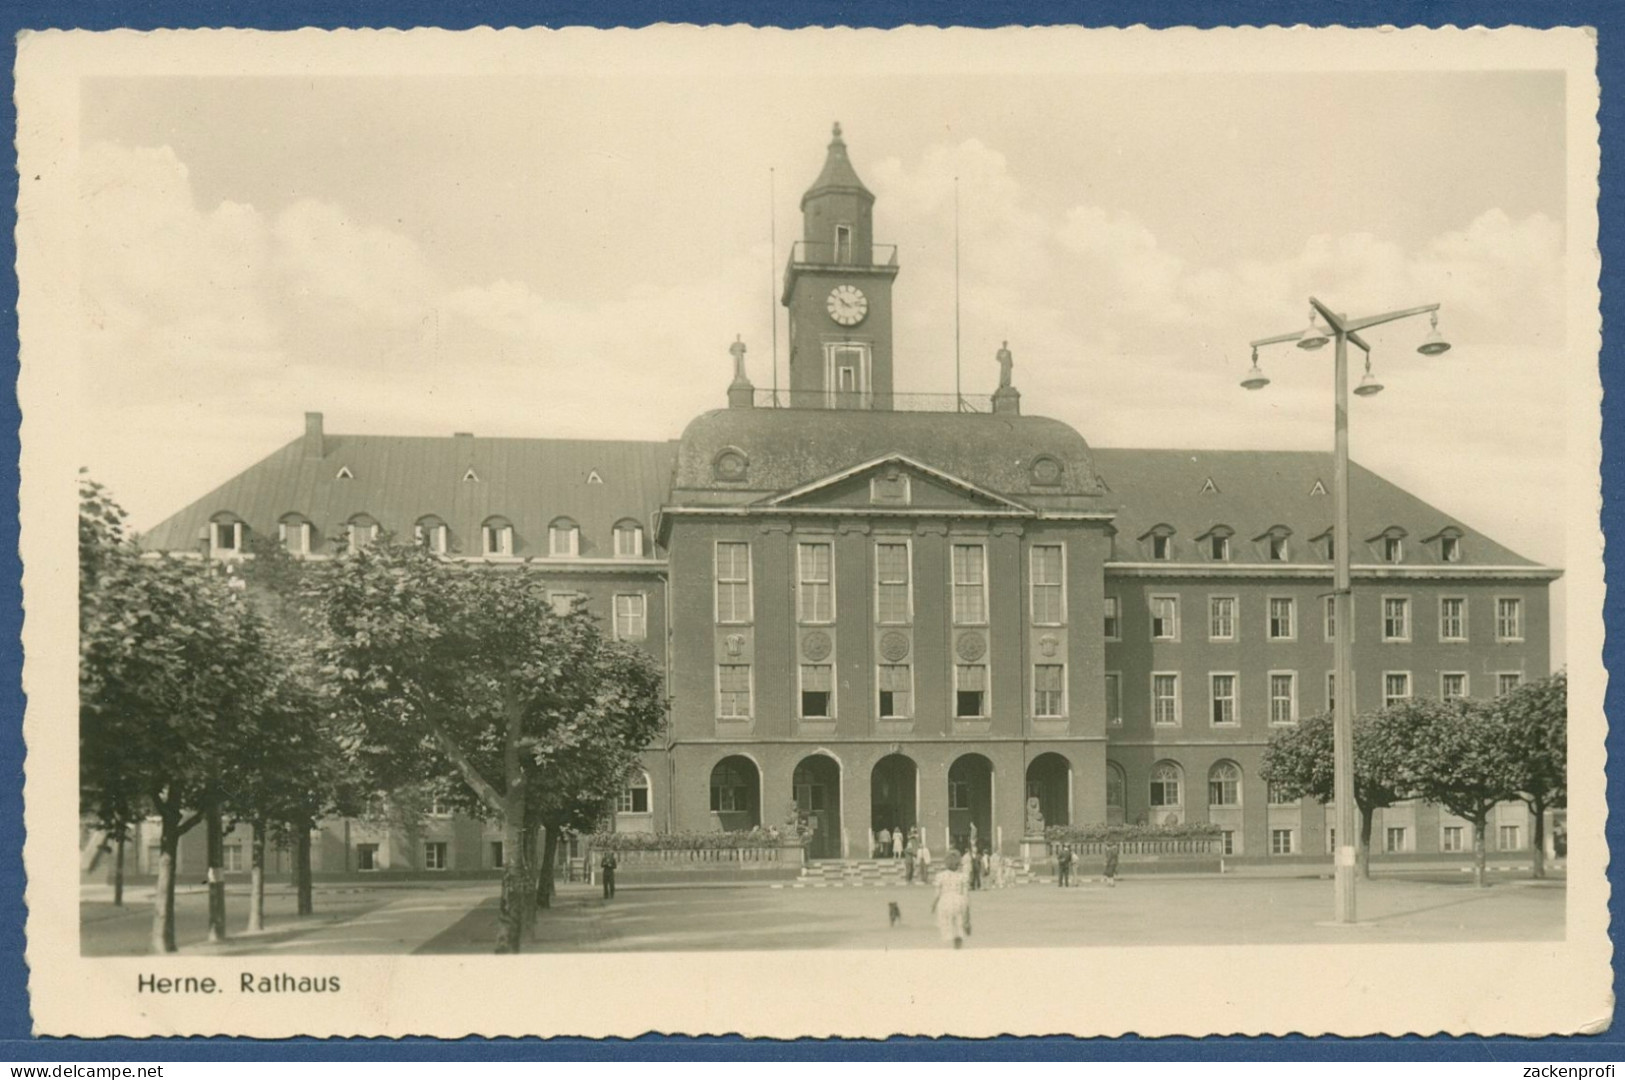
(256,881)
(1368,814)
(301,867)
(118,871)
(217,875)
(516,877)
(163,894)
(550,854)
(1479,824)
(1538,867)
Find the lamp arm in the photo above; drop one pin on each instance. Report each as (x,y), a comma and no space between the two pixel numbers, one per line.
(1388,317)
(1277,339)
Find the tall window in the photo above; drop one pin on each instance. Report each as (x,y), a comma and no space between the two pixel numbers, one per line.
(1396,687)
(733,582)
(634,797)
(1224,698)
(1508,618)
(434,855)
(970,584)
(1281,618)
(817,691)
(1165,698)
(1116,787)
(1162,547)
(1049,690)
(1277,549)
(896,691)
(631,616)
(733,691)
(1221,618)
(1508,838)
(1112,628)
(1165,618)
(815,594)
(628,540)
(1224,784)
(1283,697)
(1450,548)
(1452,685)
(1393,549)
(1453,838)
(893,603)
(1114,698)
(1165,785)
(1393,839)
(970,690)
(843,243)
(1048,600)
(1396,618)
(1507,681)
(1281,841)
(1331,618)
(563,539)
(497,537)
(1452,619)
(1218,547)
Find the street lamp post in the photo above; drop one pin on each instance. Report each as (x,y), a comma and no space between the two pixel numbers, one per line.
(1341,330)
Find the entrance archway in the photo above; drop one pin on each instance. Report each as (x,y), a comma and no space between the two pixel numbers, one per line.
(892,788)
(736,793)
(1049,778)
(817,786)
(970,800)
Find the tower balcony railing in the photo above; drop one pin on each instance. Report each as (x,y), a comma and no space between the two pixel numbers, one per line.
(875,402)
(830,253)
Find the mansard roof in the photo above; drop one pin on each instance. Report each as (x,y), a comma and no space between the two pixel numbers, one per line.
(1254,491)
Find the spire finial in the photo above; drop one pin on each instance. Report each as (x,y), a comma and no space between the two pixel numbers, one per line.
(837,132)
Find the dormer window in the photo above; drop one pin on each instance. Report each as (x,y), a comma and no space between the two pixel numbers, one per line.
(628,540)
(1390,544)
(563,539)
(1450,548)
(293,533)
(360,531)
(496,537)
(225,536)
(1160,541)
(431,533)
(1277,543)
(1277,549)
(1218,543)
(1326,545)
(890,487)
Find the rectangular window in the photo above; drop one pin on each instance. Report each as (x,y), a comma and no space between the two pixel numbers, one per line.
(1049,690)
(1165,618)
(970,584)
(1049,604)
(1219,548)
(817,691)
(1396,618)
(815,591)
(228,536)
(843,243)
(1228,838)
(893,598)
(295,537)
(1112,627)
(1508,838)
(1283,697)
(563,541)
(1331,691)
(1452,619)
(1114,698)
(1165,699)
(628,541)
(1331,618)
(1508,618)
(366,856)
(1281,842)
(1507,681)
(1453,838)
(1396,687)
(434,855)
(970,690)
(1162,548)
(1221,618)
(498,540)
(733,582)
(1393,549)
(1277,549)
(631,616)
(896,691)
(496,855)
(1393,839)
(232,858)
(733,691)
(1282,618)
(958,795)
(1452,685)
(1450,548)
(1224,698)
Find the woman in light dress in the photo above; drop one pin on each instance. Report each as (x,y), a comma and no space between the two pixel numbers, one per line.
(952,905)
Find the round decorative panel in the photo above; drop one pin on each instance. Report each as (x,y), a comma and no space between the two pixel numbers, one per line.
(894,645)
(815,646)
(971,647)
(731,465)
(1046,470)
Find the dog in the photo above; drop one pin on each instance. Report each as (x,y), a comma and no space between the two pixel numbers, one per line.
(894,912)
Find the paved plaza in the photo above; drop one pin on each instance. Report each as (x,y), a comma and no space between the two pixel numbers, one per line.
(460,917)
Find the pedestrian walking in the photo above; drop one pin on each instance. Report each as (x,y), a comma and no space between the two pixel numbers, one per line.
(608,867)
(925,863)
(909,853)
(952,905)
(1111,864)
(975,868)
(1063,867)
(897,842)
(885,844)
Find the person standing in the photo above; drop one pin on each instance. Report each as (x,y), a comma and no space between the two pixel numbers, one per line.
(909,853)
(1063,867)
(1111,864)
(885,844)
(925,863)
(897,842)
(952,905)
(608,867)
(975,858)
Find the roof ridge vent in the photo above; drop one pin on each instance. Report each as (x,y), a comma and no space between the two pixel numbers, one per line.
(1318,489)
(1209,487)
(345,473)
(471,477)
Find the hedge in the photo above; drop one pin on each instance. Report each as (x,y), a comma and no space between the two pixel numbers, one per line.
(693,841)
(1079,834)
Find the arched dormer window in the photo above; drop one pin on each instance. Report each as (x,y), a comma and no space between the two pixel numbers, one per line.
(360,531)
(1216,542)
(1275,543)
(496,537)
(1159,543)
(294,532)
(628,539)
(1390,544)
(1326,542)
(563,538)
(1449,541)
(227,534)
(431,533)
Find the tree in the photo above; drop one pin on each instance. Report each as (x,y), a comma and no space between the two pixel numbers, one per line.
(1299,761)
(1461,763)
(1533,724)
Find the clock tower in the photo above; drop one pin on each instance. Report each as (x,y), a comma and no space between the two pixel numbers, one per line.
(837,288)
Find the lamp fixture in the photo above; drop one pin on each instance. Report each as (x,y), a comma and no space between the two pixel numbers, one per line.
(1434,343)
(1369,385)
(1314,337)
(1256,379)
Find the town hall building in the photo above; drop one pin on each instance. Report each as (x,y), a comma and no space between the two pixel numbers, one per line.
(878,609)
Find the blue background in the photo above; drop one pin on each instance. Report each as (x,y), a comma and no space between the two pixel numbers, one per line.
(15,1042)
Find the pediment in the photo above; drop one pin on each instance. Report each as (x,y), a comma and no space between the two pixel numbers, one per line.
(895,482)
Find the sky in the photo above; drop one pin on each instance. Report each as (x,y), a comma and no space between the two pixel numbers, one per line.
(570,253)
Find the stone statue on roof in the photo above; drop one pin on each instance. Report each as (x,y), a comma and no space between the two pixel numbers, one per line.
(738,350)
(1006,362)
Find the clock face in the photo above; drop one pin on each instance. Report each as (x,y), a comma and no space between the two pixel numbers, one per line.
(847,305)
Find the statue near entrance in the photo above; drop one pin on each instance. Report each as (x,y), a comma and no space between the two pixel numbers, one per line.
(1035,817)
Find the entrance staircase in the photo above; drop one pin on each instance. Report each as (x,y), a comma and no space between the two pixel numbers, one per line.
(881,873)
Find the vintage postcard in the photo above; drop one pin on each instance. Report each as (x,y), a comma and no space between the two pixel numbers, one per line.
(709,530)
